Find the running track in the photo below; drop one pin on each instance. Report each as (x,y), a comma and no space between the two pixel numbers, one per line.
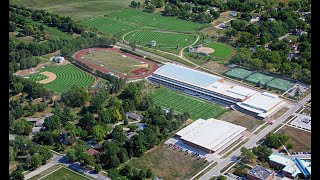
(77,56)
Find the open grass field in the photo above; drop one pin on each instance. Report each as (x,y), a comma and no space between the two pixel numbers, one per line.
(114,61)
(238,73)
(167,163)
(221,50)
(64,174)
(180,102)
(280,84)
(126,20)
(76,9)
(241,119)
(67,76)
(301,140)
(163,39)
(256,77)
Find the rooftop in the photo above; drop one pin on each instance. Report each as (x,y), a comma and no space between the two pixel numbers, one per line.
(260,172)
(92,152)
(260,102)
(187,75)
(211,134)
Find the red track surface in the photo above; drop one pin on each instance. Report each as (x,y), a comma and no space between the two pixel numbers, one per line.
(77,56)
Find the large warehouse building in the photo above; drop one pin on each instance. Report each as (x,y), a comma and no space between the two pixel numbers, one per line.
(210,135)
(213,88)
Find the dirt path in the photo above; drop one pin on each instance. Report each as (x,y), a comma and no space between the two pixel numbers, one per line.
(51,77)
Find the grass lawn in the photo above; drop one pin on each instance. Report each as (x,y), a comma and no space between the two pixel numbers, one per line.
(300,139)
(221,50)
(241,119)
(64,174)
(67,76)
(113,61)
(164,40)
(167,163)
(76,9)
(129,19)
(181,103)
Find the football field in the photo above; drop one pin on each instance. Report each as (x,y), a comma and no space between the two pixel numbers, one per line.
(181,103)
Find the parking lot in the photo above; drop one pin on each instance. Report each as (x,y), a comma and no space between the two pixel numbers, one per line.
(178,144)
(302,121)
(303,88)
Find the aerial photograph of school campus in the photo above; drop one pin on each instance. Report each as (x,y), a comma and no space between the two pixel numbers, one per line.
(159,89)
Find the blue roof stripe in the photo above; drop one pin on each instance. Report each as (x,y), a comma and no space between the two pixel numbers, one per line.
(188,75)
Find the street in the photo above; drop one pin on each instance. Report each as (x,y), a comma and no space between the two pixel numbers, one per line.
(252,142)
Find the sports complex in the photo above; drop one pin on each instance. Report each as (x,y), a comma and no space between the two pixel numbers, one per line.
(214,88)
(116,62)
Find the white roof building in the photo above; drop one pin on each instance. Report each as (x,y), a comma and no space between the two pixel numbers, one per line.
(210,135)
(263,104)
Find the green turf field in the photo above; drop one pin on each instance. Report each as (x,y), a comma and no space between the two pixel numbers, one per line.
(67,76)
(181,103)
(126,20)
(220,50)
(64,174)
(238,73)
(280,84)
(163,39)
(256,77)
(77,9)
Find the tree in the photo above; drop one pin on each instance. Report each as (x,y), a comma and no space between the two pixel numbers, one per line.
(149,173)
(238,24)
(71,155)
(75,97)
(231,32)
(35,161)
(17,174)
(247,40)
(221,178)
(98,101)
(12,26)
(276,140)
(99,133)
(215,14)
(247,155)
(150,8)
(52,122)
(12,154)
(262,152)
(289,146)
(98,168)
(142,174)
(45,153)
(133,4)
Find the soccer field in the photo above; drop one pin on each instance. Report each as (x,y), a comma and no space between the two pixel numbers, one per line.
(126,20)
(163,39)
(181,103)
(67,76)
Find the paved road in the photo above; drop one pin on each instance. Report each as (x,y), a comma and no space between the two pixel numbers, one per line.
(282,37)
(56,159)
(254,139)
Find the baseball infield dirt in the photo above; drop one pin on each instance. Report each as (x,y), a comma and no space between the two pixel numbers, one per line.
(51,77)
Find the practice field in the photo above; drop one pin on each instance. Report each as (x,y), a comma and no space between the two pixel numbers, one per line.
(280,84)
(300,139)
(181,103)
(221,50)
(168,163)
(256,77)
(238,73)
(125,20)
(163,39)
(76,9)
(64,174)
(114,61)
(67,76)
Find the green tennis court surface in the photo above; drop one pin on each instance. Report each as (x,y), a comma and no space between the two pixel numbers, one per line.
(238,73)
(256,77)
(280,84)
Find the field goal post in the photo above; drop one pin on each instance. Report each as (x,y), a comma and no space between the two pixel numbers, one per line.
(91,51)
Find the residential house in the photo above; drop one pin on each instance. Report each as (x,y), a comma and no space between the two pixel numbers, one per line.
(134,116)
(141,126)
(260,173)
(92,152)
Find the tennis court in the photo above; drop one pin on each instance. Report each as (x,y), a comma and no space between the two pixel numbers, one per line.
(238,73)
(256,77)
(280,84)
